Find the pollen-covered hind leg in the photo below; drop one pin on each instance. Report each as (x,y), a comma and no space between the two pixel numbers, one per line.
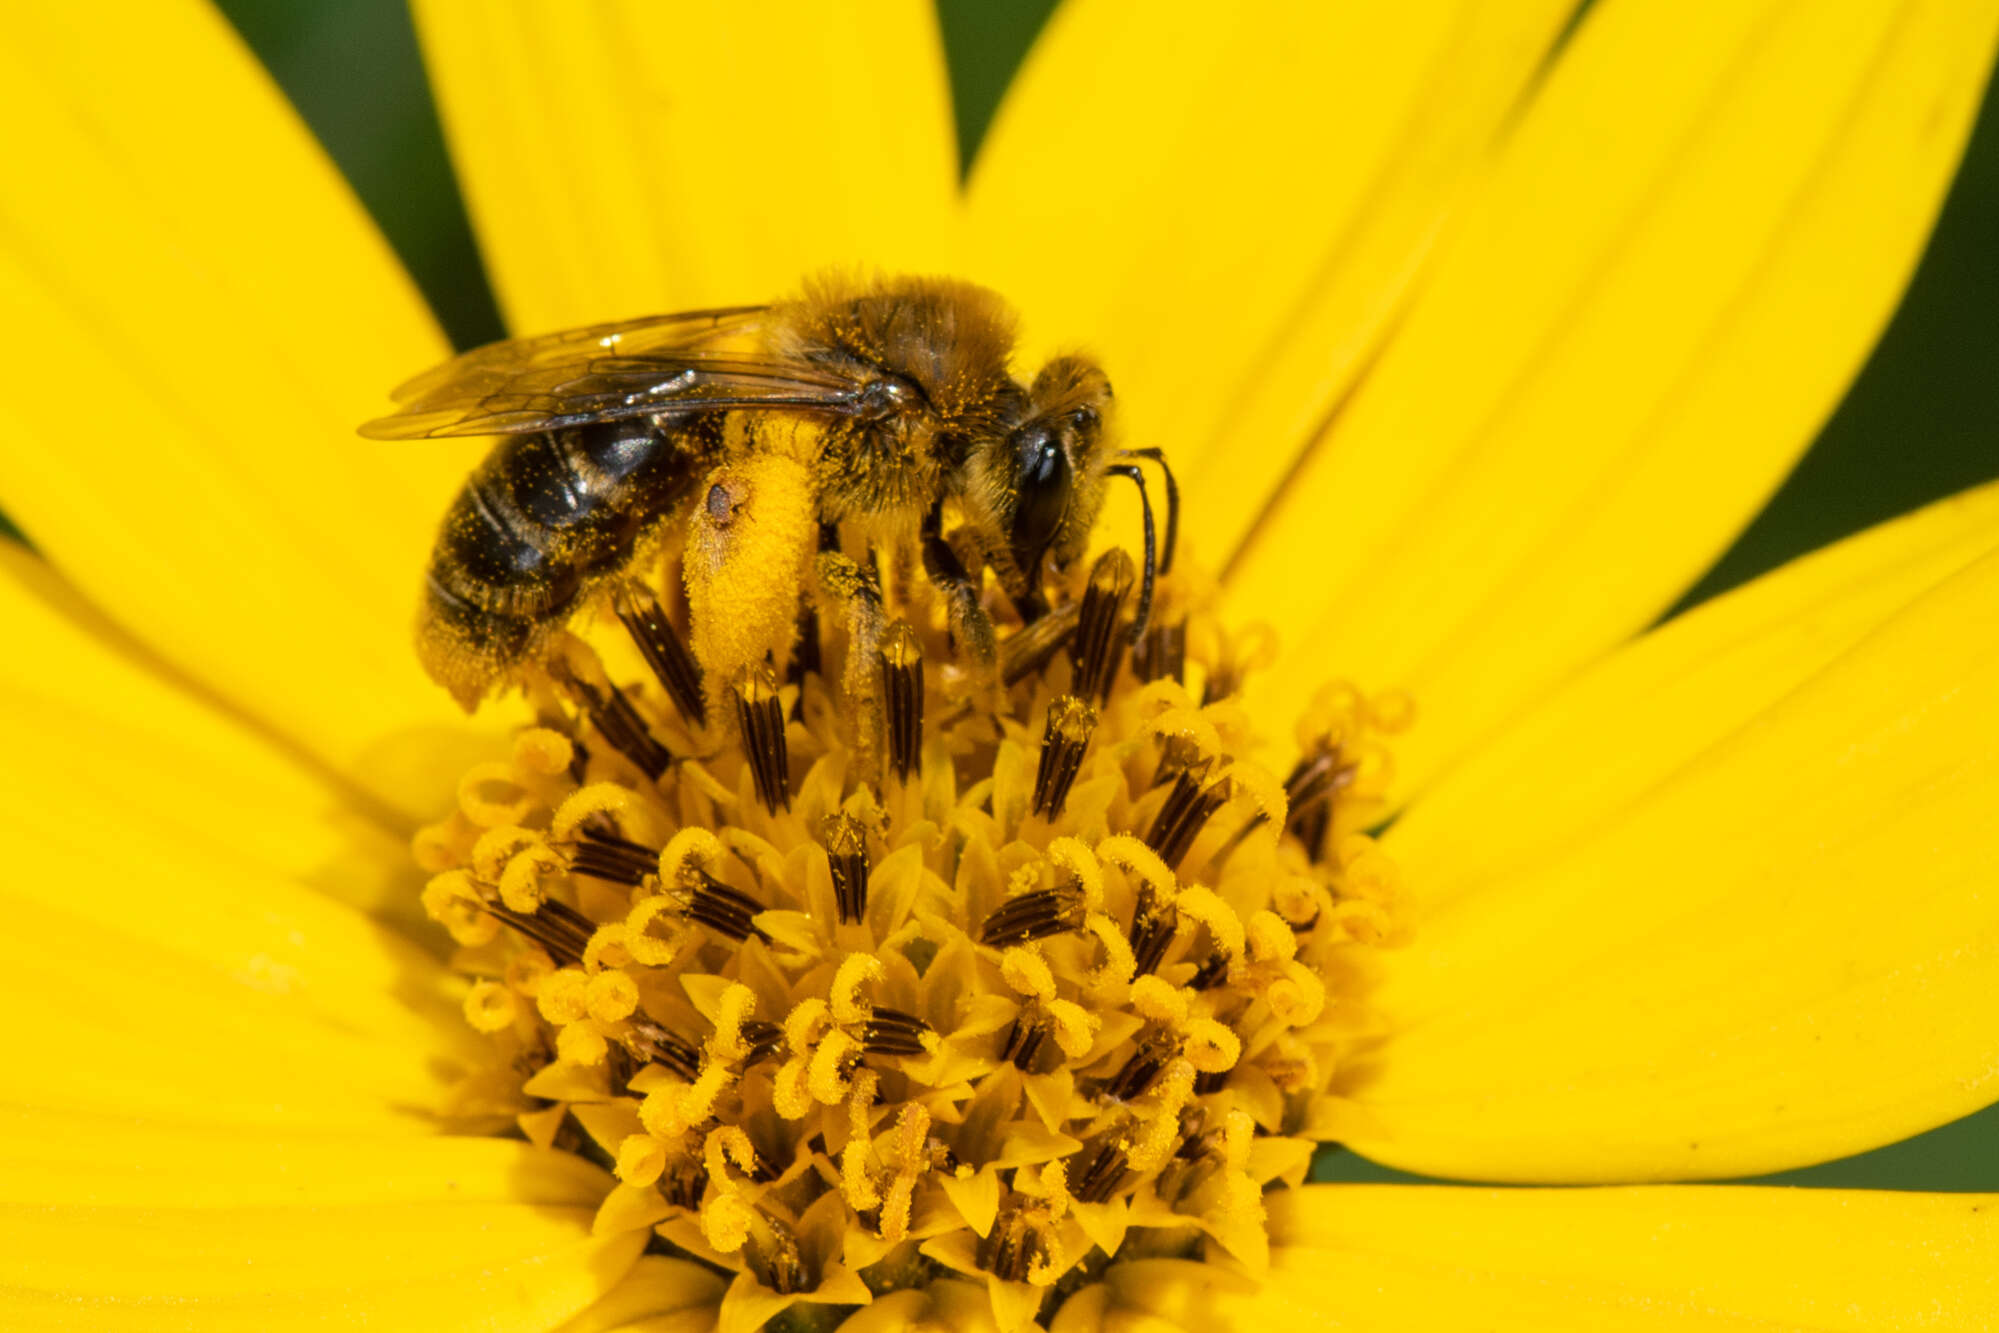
(749,543)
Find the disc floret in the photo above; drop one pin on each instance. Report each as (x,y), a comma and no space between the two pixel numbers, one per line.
(1000,985)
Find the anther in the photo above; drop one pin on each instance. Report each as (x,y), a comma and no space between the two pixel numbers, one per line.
(579,762)
(1315,783)
(902,693)
(805,658)
(1140,1071)
(1152,929)
(1013,1245)
(651,1042)
(1100,1170)
(847,856)
(775,1259)
(1211,973)
(607,856)
(893,1032)
(1161,652)
(1063,742)
(1188,808)
(721,907)
(620,724)
(1024,1040)
(1032,916)
(684,1182)
(1098,646)
(553,931)
(760,715)
(664,651)
(761,1040)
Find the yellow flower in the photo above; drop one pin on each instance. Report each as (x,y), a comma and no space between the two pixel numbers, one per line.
(1469,359)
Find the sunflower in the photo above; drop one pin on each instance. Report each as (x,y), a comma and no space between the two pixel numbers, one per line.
(1473,333)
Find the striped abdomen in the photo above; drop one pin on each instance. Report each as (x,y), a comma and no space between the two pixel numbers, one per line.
(539,520)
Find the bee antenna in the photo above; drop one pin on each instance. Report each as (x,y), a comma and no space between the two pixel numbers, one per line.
(1136,476)
(1172,503)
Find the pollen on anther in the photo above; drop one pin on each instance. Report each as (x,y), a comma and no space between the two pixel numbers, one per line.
(1064,739)
(760,719)
(1099,646)
(902,695)
(847,859)
(664,651)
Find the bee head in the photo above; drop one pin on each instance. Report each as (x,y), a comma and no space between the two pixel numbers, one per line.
(1054,467)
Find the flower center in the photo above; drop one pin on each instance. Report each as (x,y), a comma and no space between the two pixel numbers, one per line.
(1006,980)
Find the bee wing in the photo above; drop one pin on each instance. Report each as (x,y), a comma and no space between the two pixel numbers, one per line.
(653,366)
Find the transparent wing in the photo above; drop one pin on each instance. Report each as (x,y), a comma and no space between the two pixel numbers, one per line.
(695,361)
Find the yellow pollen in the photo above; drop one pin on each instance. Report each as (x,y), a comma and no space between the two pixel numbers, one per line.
(1073,858)
(691,851)
(606,948)
(527,970)
(805,1022)
(581,1043)
(563,997)
(612,997)
(1204,905)
(489,796)
(606,799)
(826,1075)
(1211,1047)
(1129,854)
(490,1007)
(1159,1000)
(1027,972)
(497,846)
(638,939)
(1269,939)
(855,969)
(738,1002)
(1157,1139)
(1119,962)
(544,751)
(1075,1027)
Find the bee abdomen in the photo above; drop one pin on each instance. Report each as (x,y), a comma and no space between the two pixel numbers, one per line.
(538,518)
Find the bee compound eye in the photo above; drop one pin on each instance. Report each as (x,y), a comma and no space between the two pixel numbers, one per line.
(1042,479)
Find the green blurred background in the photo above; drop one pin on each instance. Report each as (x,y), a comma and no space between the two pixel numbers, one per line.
(1919,424)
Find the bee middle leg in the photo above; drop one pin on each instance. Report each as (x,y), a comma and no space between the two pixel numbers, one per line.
(856,592)
(971,627)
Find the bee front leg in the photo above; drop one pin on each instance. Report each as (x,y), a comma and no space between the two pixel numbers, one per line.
(971,627)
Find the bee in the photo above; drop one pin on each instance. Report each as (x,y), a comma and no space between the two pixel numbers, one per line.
(856,417)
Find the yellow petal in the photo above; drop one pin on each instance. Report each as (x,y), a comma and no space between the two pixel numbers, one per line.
(1230,209)
(53,1158)
(1651,709)
(93,725)
(434,1266)
(1768,939)
(112,1221)
(658,1294)
(1658,1259)
(626,158)
(196,334)
(1688,245)
(156,920)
